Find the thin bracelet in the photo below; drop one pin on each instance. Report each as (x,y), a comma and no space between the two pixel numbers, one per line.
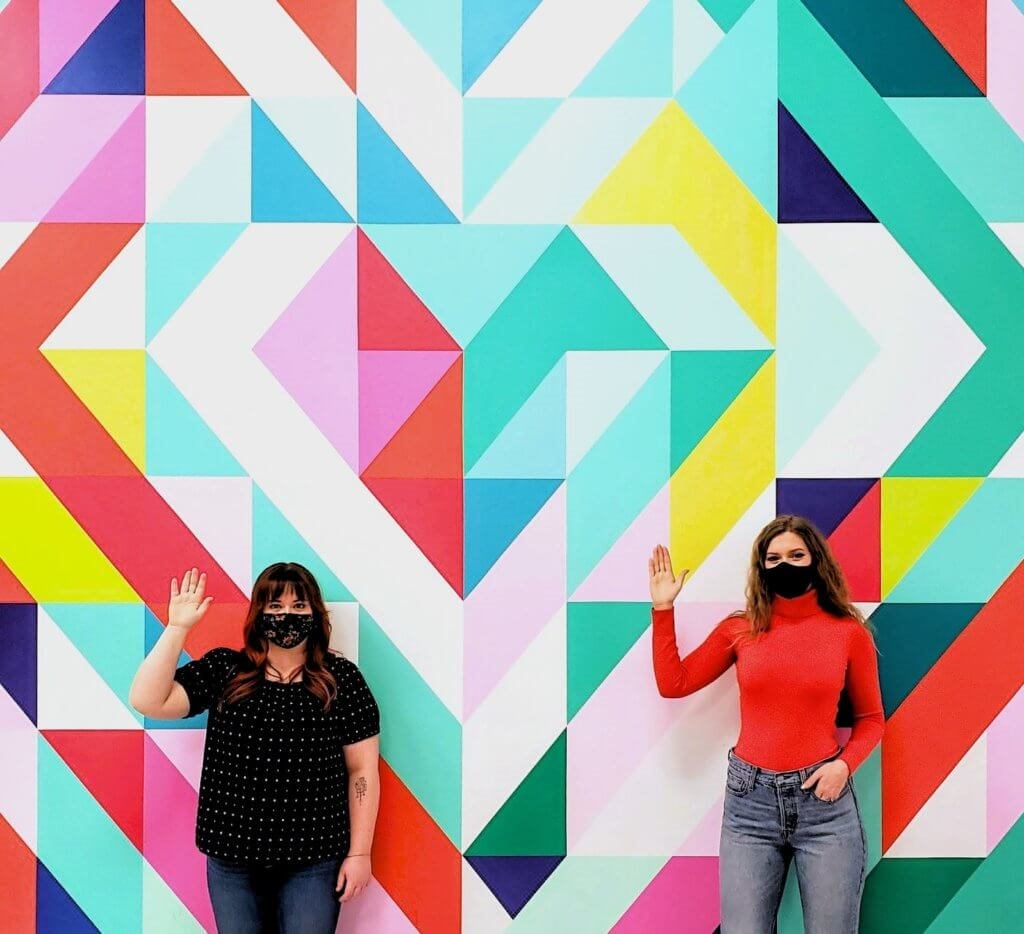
(347,855)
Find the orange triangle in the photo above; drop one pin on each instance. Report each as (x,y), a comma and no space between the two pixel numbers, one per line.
(961,26)
(18,870)
(11,589)
(178,60)
(429,444)
(331,27)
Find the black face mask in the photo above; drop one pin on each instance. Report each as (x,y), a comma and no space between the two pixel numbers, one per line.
(285,629)
(790,580)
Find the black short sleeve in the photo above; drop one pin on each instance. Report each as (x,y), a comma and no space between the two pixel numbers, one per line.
(357,711)
(204,678)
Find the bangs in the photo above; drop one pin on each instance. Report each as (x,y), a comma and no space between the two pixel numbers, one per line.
(279,580)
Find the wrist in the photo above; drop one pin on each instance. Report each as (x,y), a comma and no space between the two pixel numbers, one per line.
(663,606)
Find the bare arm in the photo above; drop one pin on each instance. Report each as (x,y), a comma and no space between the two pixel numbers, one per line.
(363,802)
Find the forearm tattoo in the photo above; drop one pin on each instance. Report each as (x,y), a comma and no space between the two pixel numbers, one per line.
(360,789)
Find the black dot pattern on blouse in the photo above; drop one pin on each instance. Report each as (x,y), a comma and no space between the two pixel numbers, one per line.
(274,786)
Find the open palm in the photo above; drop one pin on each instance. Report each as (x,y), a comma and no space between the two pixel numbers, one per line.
(665,586)
(188,604)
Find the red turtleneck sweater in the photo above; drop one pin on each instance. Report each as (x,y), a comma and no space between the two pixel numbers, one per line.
(790,680)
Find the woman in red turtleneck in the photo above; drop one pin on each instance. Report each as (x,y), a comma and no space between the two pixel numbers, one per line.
(789,790)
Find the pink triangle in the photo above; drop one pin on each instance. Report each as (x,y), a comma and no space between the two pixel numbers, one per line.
(682,897)
(112,187)
(392,383)
(311,350)
(184,748)
(63,29)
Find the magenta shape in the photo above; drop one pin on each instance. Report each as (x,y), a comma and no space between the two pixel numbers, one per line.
(683,897)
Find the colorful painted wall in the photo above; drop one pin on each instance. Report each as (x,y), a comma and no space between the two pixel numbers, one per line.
(466,305)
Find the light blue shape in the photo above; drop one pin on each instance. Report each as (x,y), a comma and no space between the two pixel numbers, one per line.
(619,476)
(532,444)
(486,28)
(822,349)
(495,131)
(974,146)
(733,98)
(87,853)
(437,27)
(462,272)
(639,64)
(695,34)
(974,554)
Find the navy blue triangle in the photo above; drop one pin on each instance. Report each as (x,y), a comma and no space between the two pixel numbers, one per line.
(112,60)
(55,909)
(810,188)
(825,502)
(514,880)
(18,658)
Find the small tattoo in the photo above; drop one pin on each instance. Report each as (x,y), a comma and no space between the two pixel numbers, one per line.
(360,788)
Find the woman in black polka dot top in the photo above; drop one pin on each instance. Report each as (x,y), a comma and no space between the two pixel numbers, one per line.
(289,790)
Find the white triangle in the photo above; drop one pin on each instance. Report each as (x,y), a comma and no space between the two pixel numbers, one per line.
(72,694)
(184,749)
(112,313)
(12,235)
(345,629)
(12,461)
(1011,464)
(954,820)
(481,911)
(695,36)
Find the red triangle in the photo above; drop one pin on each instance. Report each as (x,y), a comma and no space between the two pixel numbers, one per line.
(11,589)
(19,52)
(391,315)
(109,763)
(857,544)
(18,870)
(178,60)
(961,26)
(429,444)
(331,27)
(430,511)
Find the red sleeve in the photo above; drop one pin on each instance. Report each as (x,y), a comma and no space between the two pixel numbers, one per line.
(678,677)
(865,695)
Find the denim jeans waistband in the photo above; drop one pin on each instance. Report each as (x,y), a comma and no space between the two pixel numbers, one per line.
(762,776)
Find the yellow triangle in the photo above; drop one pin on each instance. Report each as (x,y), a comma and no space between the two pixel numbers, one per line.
(112,385)
(673,175)
(724,475)
(914,511)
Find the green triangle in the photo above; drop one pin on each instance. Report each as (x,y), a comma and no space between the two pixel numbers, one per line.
(599,635)
(532,821)
(907,894)
(162,910)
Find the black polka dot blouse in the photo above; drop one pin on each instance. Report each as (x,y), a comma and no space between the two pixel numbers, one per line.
(274,787)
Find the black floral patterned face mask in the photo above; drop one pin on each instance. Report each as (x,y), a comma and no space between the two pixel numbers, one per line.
(285,629)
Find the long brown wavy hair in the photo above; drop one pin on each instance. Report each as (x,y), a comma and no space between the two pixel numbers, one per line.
(830,583)
(272,583)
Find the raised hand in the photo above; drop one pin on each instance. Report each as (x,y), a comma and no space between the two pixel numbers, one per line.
(189,604)
(665,586)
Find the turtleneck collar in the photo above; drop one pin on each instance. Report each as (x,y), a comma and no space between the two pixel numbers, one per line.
(797,607)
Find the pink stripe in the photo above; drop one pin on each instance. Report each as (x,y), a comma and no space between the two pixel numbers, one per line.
(50,146)
(512,604)
(1005,793)
(184,748)
(1005,62)
(374,911)
(19,741)
(63,28)
(682,897)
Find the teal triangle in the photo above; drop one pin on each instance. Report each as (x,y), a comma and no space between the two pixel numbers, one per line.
(284,187)
(639,64)
(532,444)
(154,630)
(275,539)
(496,512)
(598,636)
(178,258)
(437,27)
(391,189)
(733,99)
(178,442)
(495,131)
(704,385)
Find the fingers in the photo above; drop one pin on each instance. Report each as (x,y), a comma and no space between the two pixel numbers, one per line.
(174,587)
(812,780)
(201,588)
(650,567)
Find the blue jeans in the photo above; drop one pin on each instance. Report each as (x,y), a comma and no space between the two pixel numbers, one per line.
(252,899)
(769,822)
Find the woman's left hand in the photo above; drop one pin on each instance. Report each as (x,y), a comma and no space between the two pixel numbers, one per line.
(830,779)
(354,876)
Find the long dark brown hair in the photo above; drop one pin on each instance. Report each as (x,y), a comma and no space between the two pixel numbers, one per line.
(830,583)
(271,584)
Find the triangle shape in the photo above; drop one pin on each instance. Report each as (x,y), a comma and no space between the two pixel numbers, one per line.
(111,60)
(961,27)
(599,635)
(495,131)
(391,315)
(178,441)
(63,29)
(331,27)
(532,821)
(393,384)
(910,894)
(391,188)
(514,880)
(284,187)
(184,750)
(112,313)
(55,909)
(486,29)
(429,443)
(857,545)
(695,35)
(12,590)
(430,512)
(496,512)
(437,27)
(112,385)
(810,187)
(825,502)
(178,59)
(162,911)
(18,663)
(112,187)
(12,461)
(19,869)
(109,764)
(312,351)
(154,629)
(178,258)
(639,64)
